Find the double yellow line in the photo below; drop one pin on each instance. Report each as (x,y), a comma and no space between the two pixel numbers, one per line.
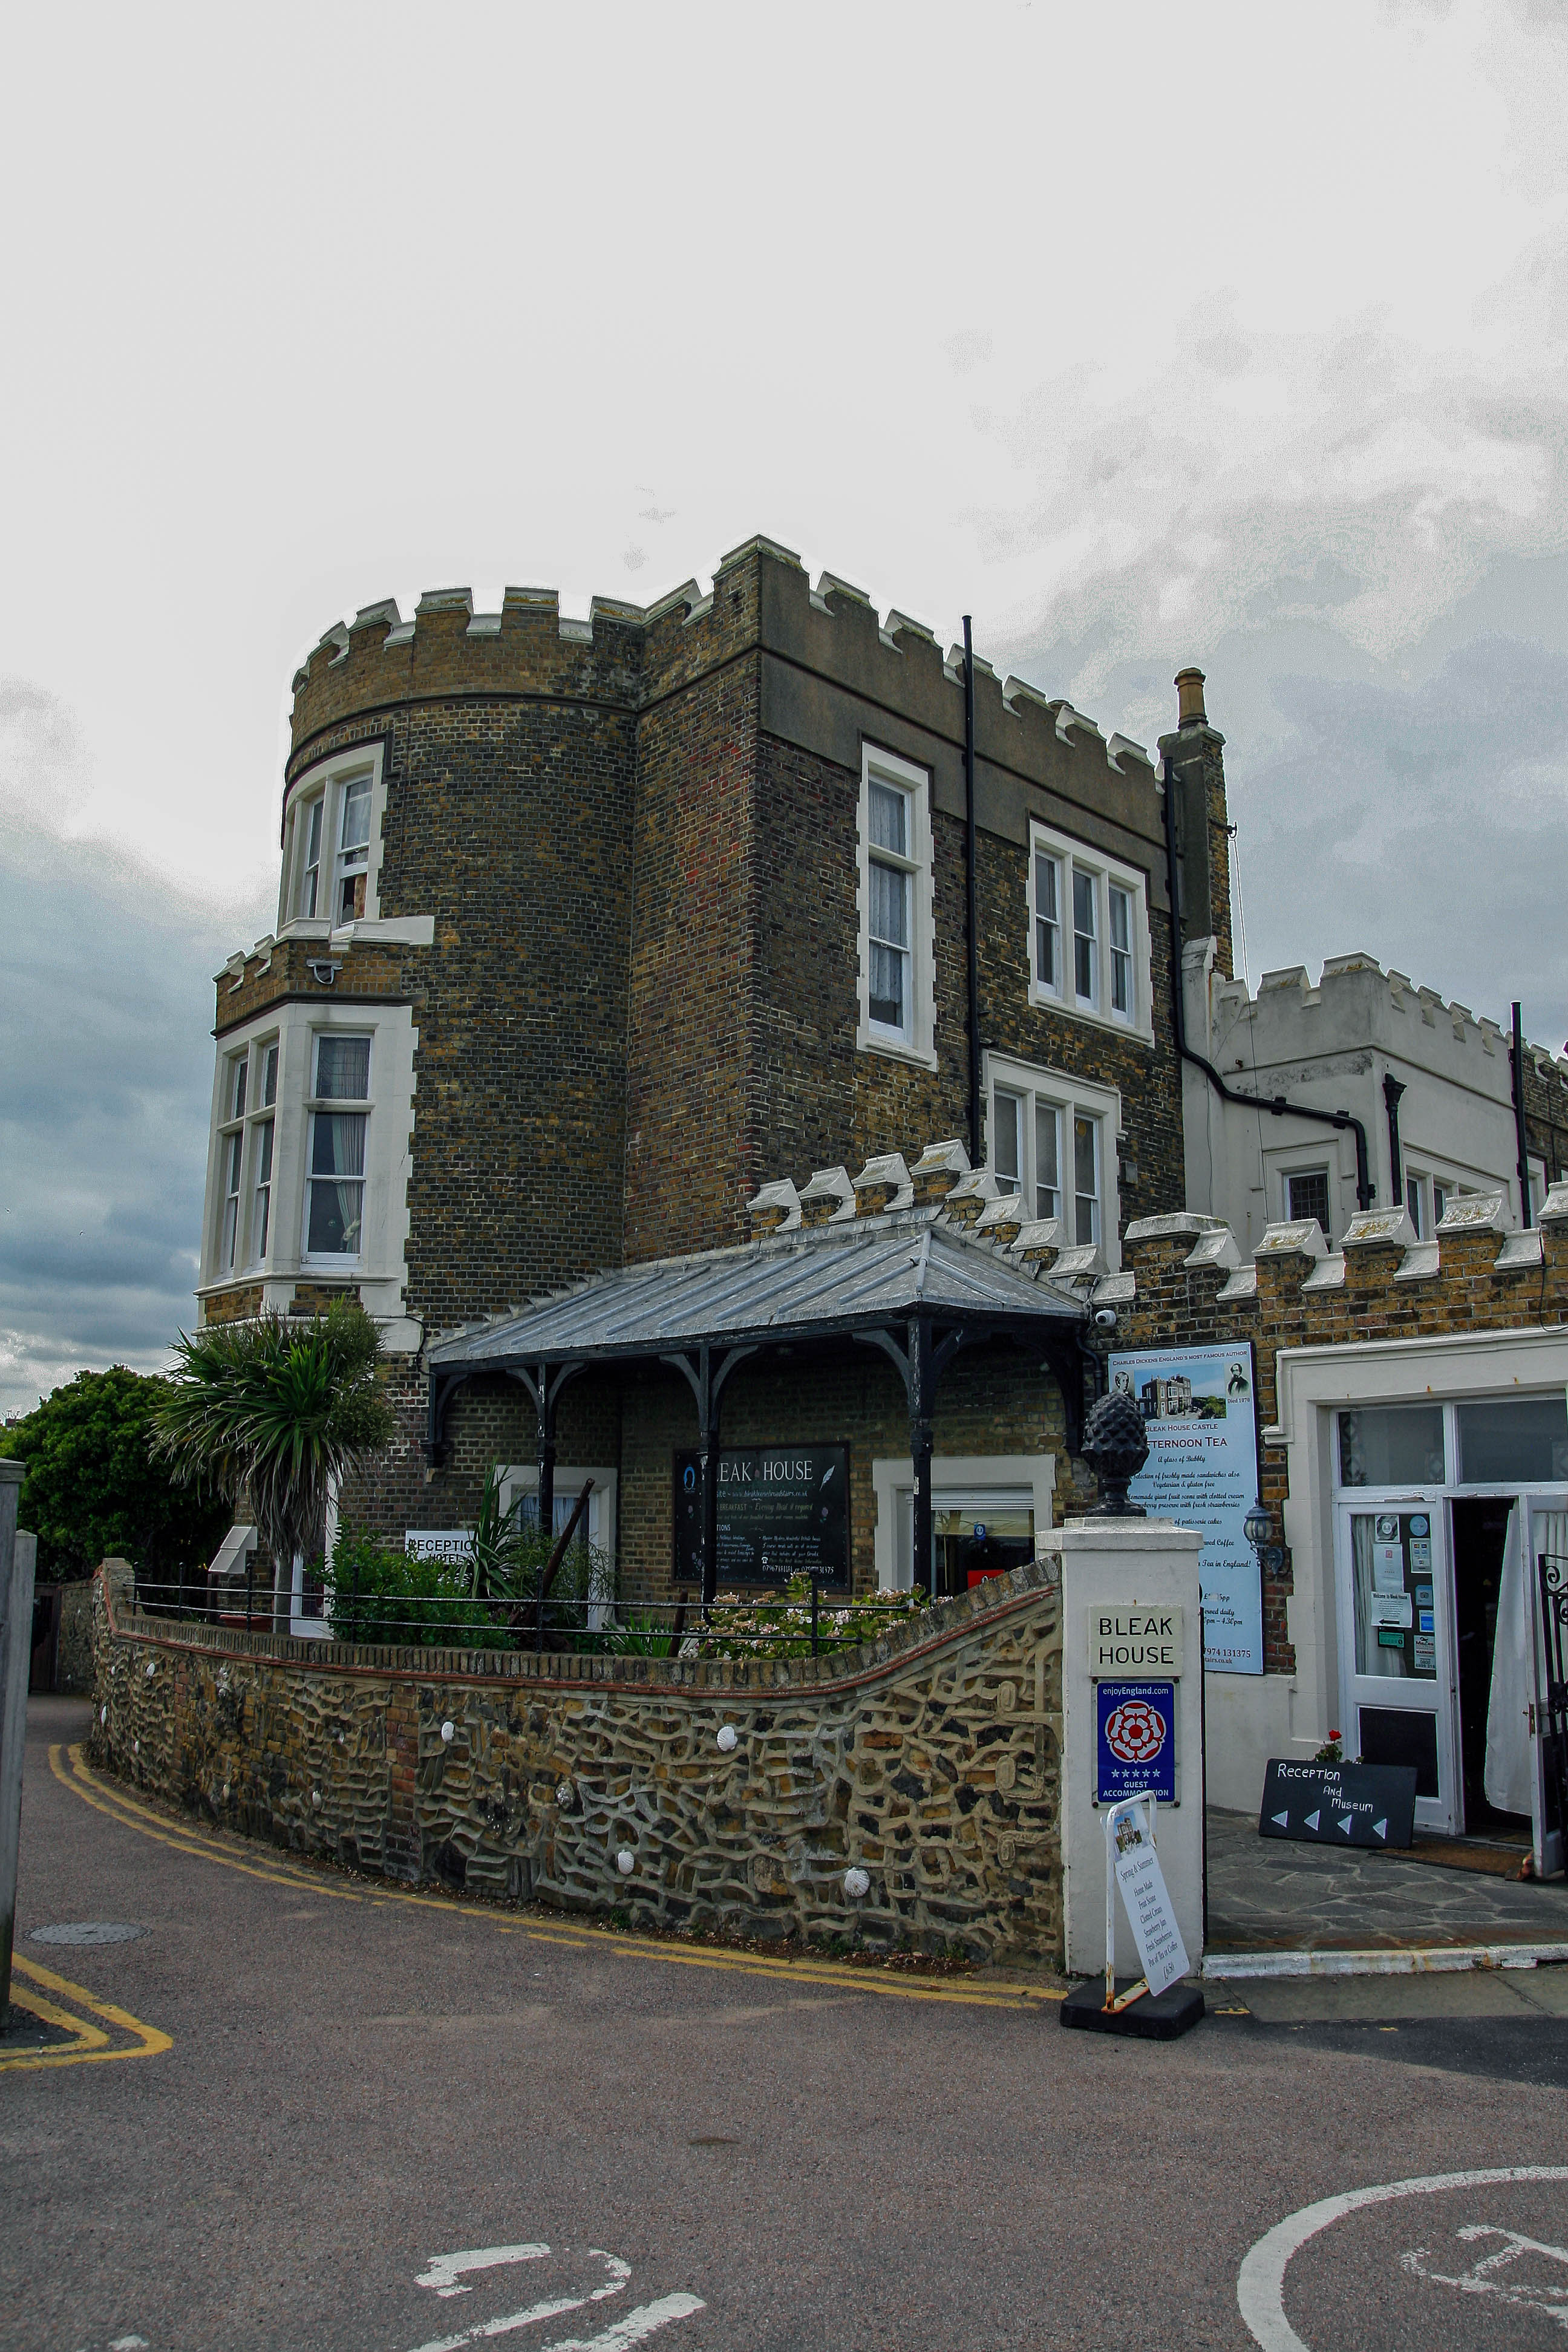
(113,1803)
(88,2040)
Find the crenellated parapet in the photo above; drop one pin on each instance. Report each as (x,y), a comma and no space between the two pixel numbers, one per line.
(1181,1280)
(630,657)
(1183,1283)
(1354,1005)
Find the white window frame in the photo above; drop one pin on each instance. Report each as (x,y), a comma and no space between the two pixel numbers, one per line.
(330,1106)
(380,1275)
(1068,1097)
(522,1478)
(956,1474)
(326,783)
(916,1042)
(1328,1169)
(1072,859)
(243,1112)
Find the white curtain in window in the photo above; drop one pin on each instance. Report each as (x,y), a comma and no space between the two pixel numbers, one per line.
(337,1152)
(1507,1778)
(343,1068)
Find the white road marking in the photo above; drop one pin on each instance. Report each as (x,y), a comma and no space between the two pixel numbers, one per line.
(1481,2277)
(1260,2283)
(447,2268)
(444,2271)
(636,2327)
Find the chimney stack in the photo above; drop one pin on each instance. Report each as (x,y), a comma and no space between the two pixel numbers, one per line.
(1190,699)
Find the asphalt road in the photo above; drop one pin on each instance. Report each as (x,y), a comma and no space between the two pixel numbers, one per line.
(306,2092)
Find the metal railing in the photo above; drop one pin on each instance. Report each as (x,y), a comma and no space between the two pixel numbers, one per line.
(789,1624)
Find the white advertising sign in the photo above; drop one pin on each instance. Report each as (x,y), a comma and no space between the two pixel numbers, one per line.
(1149,1914)
(1200,1418)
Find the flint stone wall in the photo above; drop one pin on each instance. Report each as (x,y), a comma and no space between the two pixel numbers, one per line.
(929,1758)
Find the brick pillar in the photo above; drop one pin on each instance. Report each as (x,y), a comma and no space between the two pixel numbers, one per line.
(401,1854)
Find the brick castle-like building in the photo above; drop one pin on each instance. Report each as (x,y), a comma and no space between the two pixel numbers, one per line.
(596,939)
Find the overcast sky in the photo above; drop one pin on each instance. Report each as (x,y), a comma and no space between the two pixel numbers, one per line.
(1148,334)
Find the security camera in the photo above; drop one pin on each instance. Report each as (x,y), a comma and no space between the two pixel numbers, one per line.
(1105,1318)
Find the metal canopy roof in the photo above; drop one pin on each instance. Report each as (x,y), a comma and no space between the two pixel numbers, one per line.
(827,1279)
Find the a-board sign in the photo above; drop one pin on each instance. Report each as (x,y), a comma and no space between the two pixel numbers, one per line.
(1200,1418)
(1339,1804)
(1150,1914)
(1134,1740)
(784,1511)
(1130,1642)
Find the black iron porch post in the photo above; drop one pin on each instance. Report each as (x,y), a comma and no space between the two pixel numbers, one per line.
(922,1385)
(545,1397)
(707,1382)
(708,1467)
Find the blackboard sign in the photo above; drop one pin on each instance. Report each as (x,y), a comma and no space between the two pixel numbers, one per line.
(1340,1804)
(784,1511)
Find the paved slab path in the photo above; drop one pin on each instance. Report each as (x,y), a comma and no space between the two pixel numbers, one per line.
(320,2112)
(1275,1891)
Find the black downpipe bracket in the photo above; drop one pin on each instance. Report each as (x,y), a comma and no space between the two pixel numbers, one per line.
(1520,1138)
(1277,1103)
(969,894)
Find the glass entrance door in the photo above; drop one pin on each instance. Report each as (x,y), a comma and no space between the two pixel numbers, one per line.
(1398,1672)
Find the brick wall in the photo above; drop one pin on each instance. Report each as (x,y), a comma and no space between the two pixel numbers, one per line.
(930,1760)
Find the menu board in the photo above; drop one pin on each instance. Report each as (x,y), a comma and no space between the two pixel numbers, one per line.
(784,1511)
(1200,1418)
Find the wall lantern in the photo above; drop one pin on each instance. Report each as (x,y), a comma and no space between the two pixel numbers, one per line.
(726,1737)
(626,1862)
(1257,1526)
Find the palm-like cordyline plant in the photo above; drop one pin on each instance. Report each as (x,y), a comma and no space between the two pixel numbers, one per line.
(277,1411)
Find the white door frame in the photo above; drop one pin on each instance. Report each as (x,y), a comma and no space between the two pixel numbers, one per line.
(1403,1693)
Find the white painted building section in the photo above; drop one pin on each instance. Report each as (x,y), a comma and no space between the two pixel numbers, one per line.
(1330,1046)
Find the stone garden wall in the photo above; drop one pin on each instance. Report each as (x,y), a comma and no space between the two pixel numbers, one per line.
(928,1758)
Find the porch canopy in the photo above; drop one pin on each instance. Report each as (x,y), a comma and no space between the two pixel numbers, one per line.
(912,1284)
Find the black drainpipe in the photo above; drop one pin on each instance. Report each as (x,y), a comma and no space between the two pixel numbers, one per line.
(1277,1103)
(969,887)
(1519,1138)
(1392,1090)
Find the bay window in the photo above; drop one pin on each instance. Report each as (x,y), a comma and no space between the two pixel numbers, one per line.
(247,1091)
(233,1153)
(353,852)
(334,1191)
(1100,969)
(331,841)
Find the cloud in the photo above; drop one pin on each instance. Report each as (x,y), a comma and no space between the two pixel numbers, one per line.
(106,976)
(1425,824)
